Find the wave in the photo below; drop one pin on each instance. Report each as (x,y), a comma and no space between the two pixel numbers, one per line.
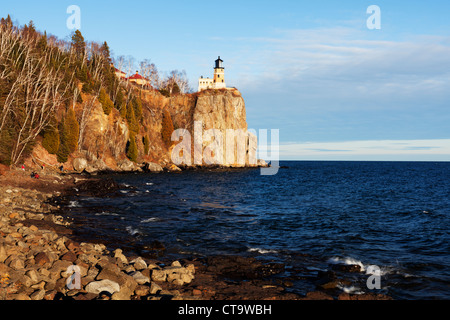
(347,261)
(350,290)
(73,204)
(132,231)
(150,220)
(368,269)
(103,213)
(262,251)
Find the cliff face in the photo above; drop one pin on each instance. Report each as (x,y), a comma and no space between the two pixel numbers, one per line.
(221,111)
(218,131)
(215,134)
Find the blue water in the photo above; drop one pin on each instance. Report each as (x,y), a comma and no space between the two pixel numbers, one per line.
(395,215)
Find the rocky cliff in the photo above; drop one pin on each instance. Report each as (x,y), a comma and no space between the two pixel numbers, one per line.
(213,120)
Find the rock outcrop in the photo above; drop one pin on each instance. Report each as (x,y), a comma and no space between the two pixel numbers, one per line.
(214,119)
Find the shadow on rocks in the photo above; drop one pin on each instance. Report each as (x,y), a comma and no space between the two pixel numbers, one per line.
(239,268)
(98,187)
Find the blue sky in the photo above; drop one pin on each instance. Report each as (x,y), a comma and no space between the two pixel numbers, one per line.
(312,69)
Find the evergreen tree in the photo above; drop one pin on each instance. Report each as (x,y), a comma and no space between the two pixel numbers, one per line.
(72,130)
(63,150)
(51,140)
(6,142)
(167,128)
(137,106)
(78,43)
(104,49)
(133,124)
(120,100)
(42,43)
(123,110)
(69,134)
(106,102)
(63,153)
(176,88)
(146,142)
(132,152)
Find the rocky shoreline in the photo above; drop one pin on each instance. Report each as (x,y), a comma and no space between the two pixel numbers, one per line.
(38,255)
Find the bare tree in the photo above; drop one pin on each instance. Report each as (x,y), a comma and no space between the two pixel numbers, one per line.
(178,78)
(43,91)
(150,72)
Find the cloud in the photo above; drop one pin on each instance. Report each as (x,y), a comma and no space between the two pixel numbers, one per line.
(369,149)
(322,66)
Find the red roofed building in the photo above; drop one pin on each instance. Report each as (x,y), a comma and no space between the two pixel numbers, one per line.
(120,74)
(138,79)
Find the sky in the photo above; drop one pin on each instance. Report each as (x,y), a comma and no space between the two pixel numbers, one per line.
(335,89)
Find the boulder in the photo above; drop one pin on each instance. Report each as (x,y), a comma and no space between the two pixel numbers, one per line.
(152,167)
(139,277)
(79,164)
(174,168)
(104,285)
(127,165)
(159,275)
(139,264)
(118,254)
(41,259)
(262,163)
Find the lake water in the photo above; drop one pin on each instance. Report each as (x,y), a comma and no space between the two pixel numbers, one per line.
(395,215)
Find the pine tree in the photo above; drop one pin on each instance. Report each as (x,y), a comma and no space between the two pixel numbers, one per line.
(69,134)
(133,124)
(146,142)
(63,153)
(132,152)
(78,43)
(72,130)
(104,49)
(63,150)
(42,43)
(137,106)
(106,102)
(167,128)
(51,140)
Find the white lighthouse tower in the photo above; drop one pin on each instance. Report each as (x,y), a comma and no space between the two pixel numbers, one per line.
(217,82)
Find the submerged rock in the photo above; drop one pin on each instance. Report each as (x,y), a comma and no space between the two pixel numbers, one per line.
(98,187)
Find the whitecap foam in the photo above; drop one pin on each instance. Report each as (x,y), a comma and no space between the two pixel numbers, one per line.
(149,220)
(104,213)
(124,191)
(350,290)
(262,251)
(367,269)
(149,184)
(347,261)
(132,231)
(73,204)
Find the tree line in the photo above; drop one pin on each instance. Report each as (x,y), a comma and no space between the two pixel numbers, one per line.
(41,76)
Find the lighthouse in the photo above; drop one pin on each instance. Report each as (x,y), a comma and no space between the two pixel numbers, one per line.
(219,75)
(217,82)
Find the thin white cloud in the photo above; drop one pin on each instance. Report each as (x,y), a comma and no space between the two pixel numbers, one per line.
(347,66)
(370,149)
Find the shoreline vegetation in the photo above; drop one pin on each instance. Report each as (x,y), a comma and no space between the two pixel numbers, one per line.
(37,250)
